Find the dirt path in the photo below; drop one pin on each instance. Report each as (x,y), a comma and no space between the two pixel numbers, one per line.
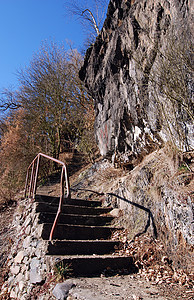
(128,287)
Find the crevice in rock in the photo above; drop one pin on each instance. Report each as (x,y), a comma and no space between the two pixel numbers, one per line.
(136,29)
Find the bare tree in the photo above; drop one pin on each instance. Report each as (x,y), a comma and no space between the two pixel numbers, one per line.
(91,15)
(46,93)
(17,148)
(8,99)
(54,98)
(53,107)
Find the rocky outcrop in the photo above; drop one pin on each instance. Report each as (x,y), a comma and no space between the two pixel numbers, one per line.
(154,199)
(122,72)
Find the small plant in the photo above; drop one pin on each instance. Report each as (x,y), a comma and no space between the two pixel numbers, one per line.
(183,168)
(63,270)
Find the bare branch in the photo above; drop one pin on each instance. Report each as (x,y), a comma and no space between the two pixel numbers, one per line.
(8,100)
(91,15)
(92,20)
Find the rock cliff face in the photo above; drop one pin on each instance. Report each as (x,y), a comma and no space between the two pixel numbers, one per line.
(123,71)
(154,199)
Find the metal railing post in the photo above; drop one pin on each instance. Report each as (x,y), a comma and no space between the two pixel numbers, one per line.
(36,176)
(26,184)
(67,183)
(60,206)
(33,184)
(31,180)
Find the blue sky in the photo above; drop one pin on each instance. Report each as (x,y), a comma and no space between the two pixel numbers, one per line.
(24,24)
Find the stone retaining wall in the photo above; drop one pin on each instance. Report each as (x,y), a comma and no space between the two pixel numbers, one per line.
(27,264)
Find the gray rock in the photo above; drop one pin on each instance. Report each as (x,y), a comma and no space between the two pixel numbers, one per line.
(13,294)
(61,290)
(21,285)
(38,253)
(10,280)
(15,270)
(27,221)
(26,260)
(19,257)
(128,119)
(116,212)
(24,297)
(27,276)
(19,277)
(35,263)
(34,243)
(35,277)
(28,229)
(26,243)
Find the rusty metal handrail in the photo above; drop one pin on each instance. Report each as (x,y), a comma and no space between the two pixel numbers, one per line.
(34,166)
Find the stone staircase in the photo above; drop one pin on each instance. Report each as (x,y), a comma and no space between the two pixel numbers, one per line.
(82,238)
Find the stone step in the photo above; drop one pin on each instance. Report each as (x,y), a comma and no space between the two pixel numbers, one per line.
(75,219)
(76,202)
(71,209)
(82,247)
(77,232)
(81,239)
(96,264)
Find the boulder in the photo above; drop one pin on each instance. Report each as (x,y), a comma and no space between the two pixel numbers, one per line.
(61,290)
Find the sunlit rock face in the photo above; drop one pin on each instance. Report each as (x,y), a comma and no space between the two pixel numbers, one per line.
(120,72)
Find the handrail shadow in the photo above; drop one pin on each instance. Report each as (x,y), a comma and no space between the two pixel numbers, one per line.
(147,210)
(150,215)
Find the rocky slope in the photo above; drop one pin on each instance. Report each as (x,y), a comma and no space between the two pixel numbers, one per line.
(139,72)
(153,200)
(123,72)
